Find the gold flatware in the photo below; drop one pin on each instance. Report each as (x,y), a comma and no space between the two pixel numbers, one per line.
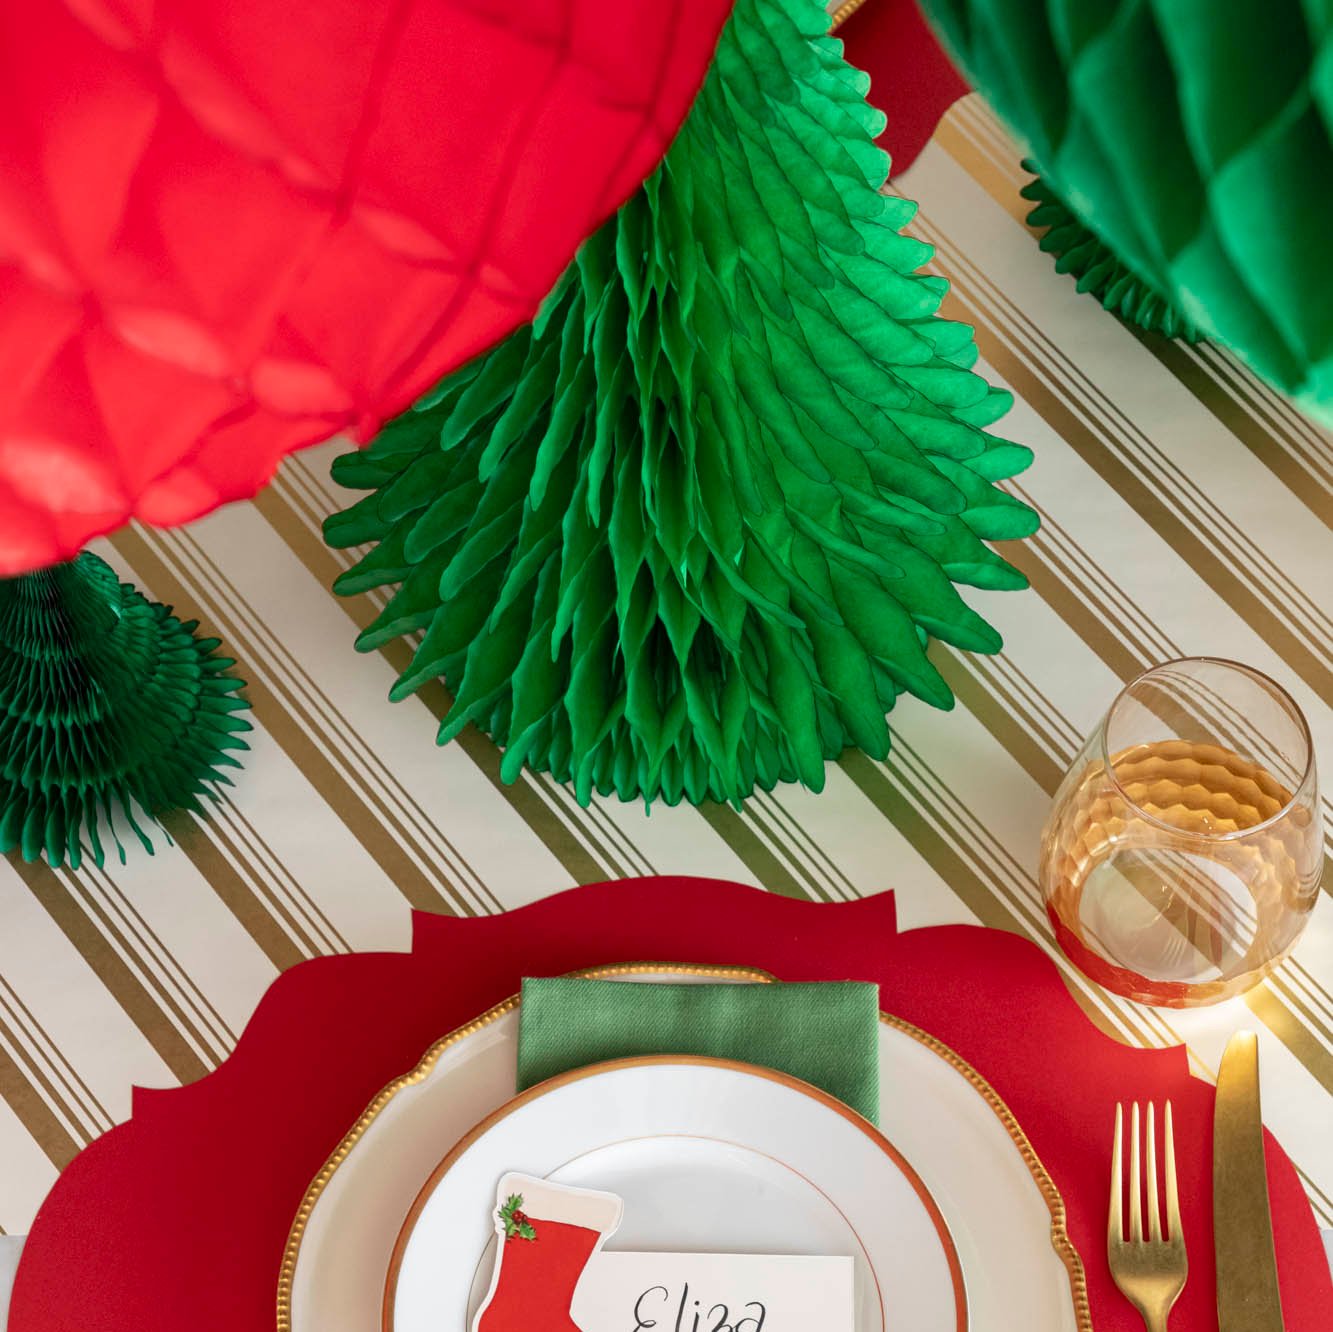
(1150,1269)
(1247,1290)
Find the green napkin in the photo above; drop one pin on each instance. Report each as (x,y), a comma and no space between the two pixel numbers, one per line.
(826,1033)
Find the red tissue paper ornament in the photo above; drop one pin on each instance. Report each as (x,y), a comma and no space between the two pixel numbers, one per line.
(232,228)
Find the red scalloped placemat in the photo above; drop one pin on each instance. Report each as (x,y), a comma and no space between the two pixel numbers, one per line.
(178,1218)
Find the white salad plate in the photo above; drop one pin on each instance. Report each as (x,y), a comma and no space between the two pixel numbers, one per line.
(999,1206)
(710,1156)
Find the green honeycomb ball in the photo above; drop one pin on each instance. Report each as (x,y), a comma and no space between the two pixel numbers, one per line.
(1195,139)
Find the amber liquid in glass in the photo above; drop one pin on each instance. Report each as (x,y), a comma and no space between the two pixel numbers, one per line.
(1153,885)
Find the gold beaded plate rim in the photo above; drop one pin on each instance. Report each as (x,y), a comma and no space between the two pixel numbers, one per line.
(1061,1241)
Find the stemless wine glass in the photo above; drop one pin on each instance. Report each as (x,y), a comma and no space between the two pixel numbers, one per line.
(1182,855)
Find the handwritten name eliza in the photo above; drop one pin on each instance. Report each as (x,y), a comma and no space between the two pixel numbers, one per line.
(691,1315)
(715,1292)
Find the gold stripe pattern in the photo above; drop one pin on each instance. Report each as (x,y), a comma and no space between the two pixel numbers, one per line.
(1186,509)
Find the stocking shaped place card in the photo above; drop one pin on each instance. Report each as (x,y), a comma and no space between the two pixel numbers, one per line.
(546,1234)
(551,1275)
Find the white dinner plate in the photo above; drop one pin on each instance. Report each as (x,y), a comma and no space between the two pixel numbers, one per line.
(1005,1216)
(708,1156)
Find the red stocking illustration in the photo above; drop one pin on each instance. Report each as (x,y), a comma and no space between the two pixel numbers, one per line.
(546,1235)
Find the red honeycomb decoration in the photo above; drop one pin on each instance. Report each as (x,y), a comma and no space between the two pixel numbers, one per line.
(232,228)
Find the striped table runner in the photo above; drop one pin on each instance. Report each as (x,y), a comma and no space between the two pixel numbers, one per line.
(1185,510)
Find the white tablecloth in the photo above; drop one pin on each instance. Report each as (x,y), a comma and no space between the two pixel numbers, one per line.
(10,1248)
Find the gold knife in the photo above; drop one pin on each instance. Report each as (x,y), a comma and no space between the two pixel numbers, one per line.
(1247,1291)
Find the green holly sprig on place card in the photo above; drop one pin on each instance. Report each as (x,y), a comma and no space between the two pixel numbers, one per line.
(516,1223)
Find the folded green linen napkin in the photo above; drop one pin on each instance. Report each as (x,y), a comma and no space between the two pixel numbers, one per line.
(825,1033)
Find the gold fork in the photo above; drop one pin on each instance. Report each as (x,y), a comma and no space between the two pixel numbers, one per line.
(1150,1271)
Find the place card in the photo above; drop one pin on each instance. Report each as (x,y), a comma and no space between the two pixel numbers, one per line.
(550,1270)
(714,1292)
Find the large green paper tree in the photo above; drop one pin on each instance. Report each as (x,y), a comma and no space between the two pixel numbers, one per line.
(112,711)
(691,532)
